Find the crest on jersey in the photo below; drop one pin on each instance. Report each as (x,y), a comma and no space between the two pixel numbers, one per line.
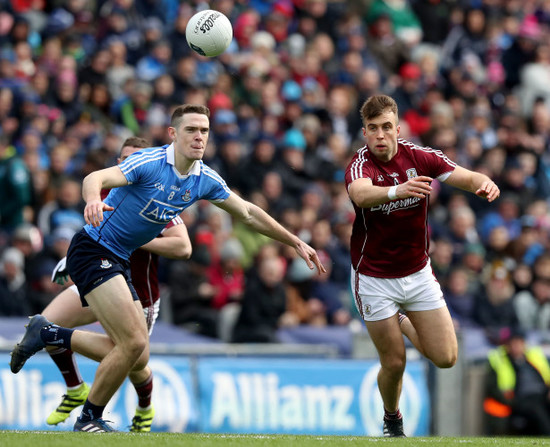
(411,173)
(105,264)
(367,309)
(380,178)
(187,196)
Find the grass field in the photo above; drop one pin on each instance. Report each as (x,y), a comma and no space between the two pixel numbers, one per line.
(69,439)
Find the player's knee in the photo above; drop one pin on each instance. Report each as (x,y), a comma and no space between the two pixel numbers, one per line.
(134,348)
(394,365)
(446,361)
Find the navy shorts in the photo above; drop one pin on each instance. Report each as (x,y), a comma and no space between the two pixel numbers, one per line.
(90,264)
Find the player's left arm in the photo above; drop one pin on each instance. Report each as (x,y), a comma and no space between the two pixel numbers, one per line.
(174,243)
(257,219)
(474,182)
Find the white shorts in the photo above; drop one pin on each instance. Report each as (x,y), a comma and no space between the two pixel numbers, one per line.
(151,313)
(380,298)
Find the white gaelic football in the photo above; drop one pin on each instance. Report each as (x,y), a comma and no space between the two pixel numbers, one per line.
(209,33)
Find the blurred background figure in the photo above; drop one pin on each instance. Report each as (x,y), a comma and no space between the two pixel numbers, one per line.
(518,387)
(13,290)
(16,187)
(263,303)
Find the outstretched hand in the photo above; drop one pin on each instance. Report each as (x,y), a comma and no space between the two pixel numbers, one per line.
(93,213)
(415,187)
(488,190)
(310,256)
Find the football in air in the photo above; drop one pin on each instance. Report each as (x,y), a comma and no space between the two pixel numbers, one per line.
(209,33)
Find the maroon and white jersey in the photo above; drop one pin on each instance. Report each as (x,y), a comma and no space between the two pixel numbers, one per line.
(144,268)
(391,240)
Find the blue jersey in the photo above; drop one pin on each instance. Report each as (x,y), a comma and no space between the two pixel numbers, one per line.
(156,193)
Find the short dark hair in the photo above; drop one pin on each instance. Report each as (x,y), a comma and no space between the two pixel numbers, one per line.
(376,105)
(187,108)
(136,142)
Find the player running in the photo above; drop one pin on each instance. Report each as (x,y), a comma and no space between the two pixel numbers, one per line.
(388,181)
(66,310)
(161,183)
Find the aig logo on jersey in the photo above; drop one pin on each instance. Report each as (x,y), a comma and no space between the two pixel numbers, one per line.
(159,212)
(411,173)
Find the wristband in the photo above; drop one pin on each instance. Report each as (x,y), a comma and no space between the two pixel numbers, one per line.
(392,192)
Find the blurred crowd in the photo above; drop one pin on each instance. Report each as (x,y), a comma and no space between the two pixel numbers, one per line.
(471,77)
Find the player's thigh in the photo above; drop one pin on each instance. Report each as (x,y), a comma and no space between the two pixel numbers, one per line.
(437,335)
(388,340)
(141,363)
(66,310)
(116,310)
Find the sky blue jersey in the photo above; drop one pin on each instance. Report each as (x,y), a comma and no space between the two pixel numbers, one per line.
(156,193)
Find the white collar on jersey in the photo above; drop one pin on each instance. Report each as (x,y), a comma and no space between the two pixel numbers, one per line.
(171,159)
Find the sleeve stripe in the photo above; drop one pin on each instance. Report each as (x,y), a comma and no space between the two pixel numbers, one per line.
(429,150)
(213,173)
(177,220)
(145,155)
(127,169)
(356,169)
(208,172)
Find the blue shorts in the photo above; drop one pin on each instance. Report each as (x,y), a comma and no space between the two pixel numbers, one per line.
(90,264)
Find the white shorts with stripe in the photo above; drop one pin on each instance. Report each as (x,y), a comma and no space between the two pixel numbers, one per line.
(151,313)
(380,298)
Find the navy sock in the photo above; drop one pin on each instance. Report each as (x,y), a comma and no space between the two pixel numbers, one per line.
(54,335)
(91,412)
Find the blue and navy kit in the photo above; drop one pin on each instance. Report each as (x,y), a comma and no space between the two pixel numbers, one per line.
(156,193)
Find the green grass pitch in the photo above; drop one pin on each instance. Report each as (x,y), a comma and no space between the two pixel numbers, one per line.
(70,439)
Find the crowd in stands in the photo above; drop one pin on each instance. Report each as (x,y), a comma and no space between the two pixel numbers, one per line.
(471,78)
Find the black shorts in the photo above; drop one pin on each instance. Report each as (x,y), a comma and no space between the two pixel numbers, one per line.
(90,264)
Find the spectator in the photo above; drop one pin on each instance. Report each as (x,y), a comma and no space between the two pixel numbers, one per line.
(191,293)
(65,211)
(518,388)
(533,304)
(16,187)
(227,276)
(13,290)
(494,305)
(389,51)
(466,40)
(404,21)
(263,303)
(331,295)
(302,306)
(460,299)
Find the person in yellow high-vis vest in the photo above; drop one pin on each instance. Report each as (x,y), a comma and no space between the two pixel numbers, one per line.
(518,388)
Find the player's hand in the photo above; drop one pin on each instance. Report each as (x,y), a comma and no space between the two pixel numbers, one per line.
(310,256)
(488,190)
(93,213)
(60,275)
(416,187)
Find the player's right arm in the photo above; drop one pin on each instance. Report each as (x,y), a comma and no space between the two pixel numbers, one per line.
(365,195)
(91,192)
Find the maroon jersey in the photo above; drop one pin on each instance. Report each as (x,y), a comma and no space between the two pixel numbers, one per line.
(391,240)
(144,268)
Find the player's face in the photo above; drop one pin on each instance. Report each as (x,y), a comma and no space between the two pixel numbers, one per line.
(191,136)
(381,135)
(126,151)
